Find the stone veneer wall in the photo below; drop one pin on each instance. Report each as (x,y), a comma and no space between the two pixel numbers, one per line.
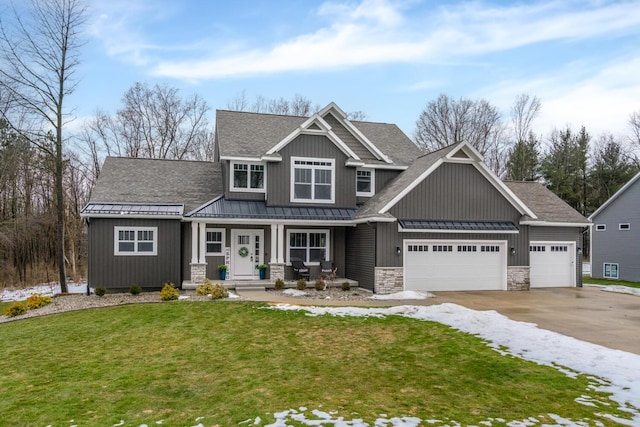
(518,278)
(388,280)
(198,272)
(276,271)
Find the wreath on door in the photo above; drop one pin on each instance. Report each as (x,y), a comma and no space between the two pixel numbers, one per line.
(243,252)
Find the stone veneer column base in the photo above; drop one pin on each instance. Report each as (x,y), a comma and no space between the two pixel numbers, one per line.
(388,280)
(198,272)
(276,271)
(518,278)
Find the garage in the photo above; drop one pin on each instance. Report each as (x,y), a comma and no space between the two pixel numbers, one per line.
(552,264)
(448,265)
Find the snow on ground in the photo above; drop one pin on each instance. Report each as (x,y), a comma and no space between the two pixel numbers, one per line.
(49,289)
(619,370)
(403,295)
(622,290)
(294,292)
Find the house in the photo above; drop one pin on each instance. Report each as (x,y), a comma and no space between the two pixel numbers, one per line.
(359,194)
(615,235)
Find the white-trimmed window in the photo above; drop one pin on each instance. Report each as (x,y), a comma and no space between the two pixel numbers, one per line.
(610,270)
(247,177)
(365,182)
(135,241)
(215,241)
(601,227)
(624,226)
(311,246)
(312,180)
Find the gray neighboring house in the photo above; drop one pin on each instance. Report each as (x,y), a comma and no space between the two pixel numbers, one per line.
(615,235)
(359,194)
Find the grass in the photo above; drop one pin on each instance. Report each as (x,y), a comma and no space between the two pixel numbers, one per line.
(228,362)
(609,282)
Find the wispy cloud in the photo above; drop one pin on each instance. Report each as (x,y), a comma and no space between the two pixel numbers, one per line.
(382,31)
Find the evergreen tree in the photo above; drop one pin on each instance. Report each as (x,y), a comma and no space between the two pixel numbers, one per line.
(523,163)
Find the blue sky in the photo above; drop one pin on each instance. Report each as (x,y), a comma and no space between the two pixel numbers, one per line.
(386,58)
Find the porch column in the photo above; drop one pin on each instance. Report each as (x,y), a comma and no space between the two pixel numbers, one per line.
(274,244)
(194,242)
(203,242)
(280,243)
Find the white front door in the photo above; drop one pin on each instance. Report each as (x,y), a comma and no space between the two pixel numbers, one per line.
(246,253)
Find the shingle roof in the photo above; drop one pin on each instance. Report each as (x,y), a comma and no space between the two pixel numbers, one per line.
(156,181)
(243,134)
(545,204)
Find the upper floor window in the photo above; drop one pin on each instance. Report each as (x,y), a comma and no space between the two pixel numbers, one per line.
(601,227)
(365,185)
(135,241)
(312,180)
(624,226)
(247,177)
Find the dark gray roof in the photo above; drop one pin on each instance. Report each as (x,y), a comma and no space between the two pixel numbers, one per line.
(242,134)
(222,208)
(544,203)
(156,181)
(133,209)
(412,224)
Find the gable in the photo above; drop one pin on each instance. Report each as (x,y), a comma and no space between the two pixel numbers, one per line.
(624,202)
(349,139)
(455,191)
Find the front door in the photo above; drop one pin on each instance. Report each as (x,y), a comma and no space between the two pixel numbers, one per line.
(246,253)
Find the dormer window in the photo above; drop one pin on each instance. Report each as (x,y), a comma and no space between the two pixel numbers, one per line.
(247,177)
(312,180)
(365,184)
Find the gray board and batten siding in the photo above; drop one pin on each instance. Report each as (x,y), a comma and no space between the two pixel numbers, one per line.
(108,270)
(614,245)
(361,254)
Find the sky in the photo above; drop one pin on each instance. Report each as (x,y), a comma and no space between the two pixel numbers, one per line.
(385,58)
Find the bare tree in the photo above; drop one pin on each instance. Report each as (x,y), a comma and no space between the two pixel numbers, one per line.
(296,106)
(524,110)
(39,54)
(634,125)
(447,121)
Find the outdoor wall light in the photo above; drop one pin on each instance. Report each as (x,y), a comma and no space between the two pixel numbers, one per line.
(398,251)
(513,250)
(579,251)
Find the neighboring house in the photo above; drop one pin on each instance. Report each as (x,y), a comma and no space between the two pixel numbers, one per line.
(615,235)
(359,194)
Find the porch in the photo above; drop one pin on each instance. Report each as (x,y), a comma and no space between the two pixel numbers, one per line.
(269,284)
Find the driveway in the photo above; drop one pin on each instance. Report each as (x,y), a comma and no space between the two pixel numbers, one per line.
(588,314)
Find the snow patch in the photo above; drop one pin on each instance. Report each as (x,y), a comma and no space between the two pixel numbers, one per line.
(294,292)
(403,295)
(622,290)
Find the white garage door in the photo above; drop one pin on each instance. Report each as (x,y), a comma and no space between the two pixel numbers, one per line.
(447,265)
(552,264)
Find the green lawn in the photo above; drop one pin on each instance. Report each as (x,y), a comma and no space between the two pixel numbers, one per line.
(229,362)
(609,282)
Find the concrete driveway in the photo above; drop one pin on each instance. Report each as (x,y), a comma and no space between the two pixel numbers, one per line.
(588,314)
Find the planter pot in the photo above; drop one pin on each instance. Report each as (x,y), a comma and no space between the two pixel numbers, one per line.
(223,274)
(263,273)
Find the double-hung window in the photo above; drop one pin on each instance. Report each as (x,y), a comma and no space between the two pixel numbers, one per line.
(247,177)
(310,246)
(610,270)
(365,182)
(215,241)
(135,241)
(312,180)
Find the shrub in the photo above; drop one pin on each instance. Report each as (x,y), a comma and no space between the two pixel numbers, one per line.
(346,286)
(205,288)
(135,289)
(169,292)
(100,291)
(15,309)
(301,284)
(219,291)
(279,284)
(37,301)
(320,285)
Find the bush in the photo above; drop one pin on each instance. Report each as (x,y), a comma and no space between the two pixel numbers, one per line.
(219,291)
(100,291)
(204,289)
(346,286)
(169,292)
(37,301)
(15,309)
(301,284)
(135,289)
(279,284)
(320,285)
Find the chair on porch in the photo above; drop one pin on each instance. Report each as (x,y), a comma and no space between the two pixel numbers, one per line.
(301,270)
(328,270)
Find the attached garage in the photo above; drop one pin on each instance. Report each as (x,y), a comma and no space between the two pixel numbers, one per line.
(552,264)
(448,265)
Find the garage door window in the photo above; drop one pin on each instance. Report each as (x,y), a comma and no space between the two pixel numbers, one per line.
(442,248)
(558,248)
(418,248)
(610,270)
(489,248)
(534,248)
(467,248)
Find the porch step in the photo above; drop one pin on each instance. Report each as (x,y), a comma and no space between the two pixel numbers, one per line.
(249,288)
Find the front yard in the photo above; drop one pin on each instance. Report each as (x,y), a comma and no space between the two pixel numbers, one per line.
(203,363)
